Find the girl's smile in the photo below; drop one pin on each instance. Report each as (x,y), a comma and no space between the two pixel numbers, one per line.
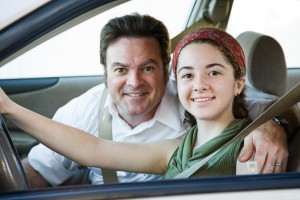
(206,83)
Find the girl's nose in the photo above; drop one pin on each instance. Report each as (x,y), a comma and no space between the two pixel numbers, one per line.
(200,84)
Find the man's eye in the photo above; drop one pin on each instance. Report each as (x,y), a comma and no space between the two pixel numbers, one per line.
(120,70)
(148,69)
(213,73)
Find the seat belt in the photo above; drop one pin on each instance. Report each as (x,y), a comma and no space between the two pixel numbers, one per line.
(105,132)
(289,99)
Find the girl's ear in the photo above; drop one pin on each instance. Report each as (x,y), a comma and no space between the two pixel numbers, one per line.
(240,85)
(175,83)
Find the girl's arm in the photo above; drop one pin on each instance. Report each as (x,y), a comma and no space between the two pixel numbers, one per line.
(88,149)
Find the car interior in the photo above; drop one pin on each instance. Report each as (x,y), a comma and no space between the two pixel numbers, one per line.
(265,60)
(268,77)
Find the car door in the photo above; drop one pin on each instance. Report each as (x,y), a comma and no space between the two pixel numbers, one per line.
(45,96)
(51,55)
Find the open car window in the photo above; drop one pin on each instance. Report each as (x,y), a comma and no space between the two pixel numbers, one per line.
(273,18)
(75,52)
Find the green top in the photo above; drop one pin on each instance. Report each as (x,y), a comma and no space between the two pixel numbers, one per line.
(223,163)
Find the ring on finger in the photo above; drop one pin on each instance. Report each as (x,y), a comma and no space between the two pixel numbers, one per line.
(277,165)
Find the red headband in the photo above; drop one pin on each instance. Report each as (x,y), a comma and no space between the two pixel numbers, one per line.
(218,36)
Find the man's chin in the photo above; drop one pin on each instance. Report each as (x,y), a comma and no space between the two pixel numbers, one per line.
(137,112)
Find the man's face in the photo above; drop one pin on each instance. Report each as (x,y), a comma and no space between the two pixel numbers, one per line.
(135,78)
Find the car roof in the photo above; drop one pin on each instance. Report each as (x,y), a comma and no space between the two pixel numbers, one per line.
(10,13)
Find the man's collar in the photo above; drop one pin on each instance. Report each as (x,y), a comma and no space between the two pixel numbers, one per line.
(169,112)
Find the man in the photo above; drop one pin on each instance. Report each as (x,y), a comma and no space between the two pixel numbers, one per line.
(135,53)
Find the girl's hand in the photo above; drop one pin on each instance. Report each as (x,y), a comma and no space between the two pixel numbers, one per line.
(4,102)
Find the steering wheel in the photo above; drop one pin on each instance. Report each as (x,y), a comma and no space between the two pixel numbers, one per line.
(12,174)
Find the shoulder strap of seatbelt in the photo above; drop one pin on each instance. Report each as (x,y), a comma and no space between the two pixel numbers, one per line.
(285,102)
(105,132)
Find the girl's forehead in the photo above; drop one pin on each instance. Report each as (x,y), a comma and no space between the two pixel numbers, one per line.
(202,56)
(217,36)
(199,52)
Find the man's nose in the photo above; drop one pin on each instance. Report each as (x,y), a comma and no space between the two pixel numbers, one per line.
(135,79)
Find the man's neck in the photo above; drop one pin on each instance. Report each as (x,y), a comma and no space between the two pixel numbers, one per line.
(135,120)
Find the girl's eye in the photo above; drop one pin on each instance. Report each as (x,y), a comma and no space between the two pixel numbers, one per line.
(186,76)
(213,73)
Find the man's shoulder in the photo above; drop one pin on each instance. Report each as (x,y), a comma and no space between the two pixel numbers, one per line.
(257,106)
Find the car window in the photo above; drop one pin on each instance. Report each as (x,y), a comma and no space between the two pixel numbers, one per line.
(9,12)
(275,18)
(75,52)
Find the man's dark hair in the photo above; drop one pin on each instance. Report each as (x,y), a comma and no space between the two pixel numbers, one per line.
(136,25)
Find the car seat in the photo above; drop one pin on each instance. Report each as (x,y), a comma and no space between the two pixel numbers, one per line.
(267,78)
(266,66)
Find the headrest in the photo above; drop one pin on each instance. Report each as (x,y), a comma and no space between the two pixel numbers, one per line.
(265,61)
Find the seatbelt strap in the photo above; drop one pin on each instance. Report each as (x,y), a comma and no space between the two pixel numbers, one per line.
(289,99)
(105,132)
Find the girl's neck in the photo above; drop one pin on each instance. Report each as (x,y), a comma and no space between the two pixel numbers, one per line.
(210,129)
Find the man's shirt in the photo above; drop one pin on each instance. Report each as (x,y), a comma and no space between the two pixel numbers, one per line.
(82,113)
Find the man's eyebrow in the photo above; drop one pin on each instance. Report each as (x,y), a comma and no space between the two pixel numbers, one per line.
(148,61)
(118,64)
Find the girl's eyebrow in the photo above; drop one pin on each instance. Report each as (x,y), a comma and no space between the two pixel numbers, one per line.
(207,67)
(184,67)
(214,64)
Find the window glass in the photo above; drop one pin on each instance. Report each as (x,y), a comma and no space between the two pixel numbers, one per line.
(75,52)
(276,18)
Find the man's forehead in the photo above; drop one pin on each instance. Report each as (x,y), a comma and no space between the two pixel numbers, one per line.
(137,39)
(134,50)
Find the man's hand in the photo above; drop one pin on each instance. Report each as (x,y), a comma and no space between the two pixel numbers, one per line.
(268,143)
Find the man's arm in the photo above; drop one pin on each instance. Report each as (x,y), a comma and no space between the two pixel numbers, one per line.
(268,142)
(34,178)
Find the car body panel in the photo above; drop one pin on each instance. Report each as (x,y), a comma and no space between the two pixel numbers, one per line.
(46,95)
(214,188)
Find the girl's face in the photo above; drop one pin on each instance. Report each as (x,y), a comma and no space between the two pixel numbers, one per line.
(206,83)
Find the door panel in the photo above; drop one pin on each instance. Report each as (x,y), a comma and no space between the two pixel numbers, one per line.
(43,96)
